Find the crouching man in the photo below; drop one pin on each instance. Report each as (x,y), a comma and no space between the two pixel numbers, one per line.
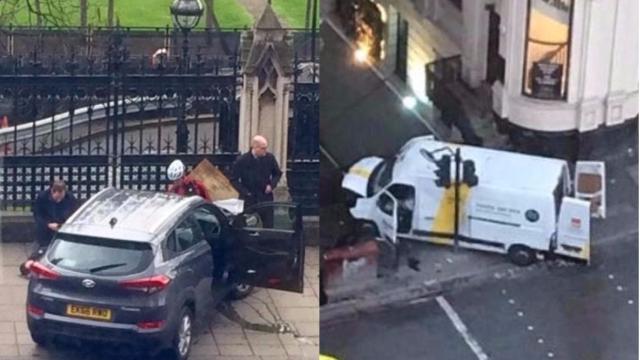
(51,209)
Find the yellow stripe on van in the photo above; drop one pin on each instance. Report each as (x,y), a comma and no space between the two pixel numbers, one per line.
(360,171)
(585,254)
(326,357)
(443,222)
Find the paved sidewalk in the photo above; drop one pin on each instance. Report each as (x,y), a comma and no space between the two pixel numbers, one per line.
(223,340)
(440,269)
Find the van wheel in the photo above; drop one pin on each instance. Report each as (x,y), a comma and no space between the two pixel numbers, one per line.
(183,337)
(368,228)
(521,255)
(38,338)
(240,291)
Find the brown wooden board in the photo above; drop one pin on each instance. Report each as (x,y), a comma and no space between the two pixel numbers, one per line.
(218,186)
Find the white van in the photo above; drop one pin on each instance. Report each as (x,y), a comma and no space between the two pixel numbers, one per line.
(521,206)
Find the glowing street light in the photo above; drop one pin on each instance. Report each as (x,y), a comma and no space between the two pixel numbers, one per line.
(361,55)
(409,102)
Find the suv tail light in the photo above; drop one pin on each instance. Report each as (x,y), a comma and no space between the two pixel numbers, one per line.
(34,311)
(148,285)
(42,272)
(150,325)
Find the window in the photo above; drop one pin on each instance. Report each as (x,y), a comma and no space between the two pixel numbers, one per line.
(405,195)
(547,45)
(208,222)
(100,256)
(457,4)
(385,204)
(364,22)
(272,216)
(183,237)
(381,176)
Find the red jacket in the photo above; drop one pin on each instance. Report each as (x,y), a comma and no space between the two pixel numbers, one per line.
(187,186)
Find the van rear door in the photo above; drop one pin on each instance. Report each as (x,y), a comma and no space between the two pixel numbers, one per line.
(590,185)
(574,224)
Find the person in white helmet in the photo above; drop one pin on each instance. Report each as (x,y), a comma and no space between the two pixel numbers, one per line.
(183,183)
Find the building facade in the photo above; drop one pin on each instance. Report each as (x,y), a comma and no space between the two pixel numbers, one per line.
(562,74)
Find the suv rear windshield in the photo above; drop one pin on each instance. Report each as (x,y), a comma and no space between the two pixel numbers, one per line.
(99,256)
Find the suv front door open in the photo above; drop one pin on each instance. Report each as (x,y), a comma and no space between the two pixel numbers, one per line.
(270,247)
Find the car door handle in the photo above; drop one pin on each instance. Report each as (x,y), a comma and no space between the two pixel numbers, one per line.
(255,233)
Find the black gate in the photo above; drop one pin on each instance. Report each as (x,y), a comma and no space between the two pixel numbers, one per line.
(303,166)
(104,110)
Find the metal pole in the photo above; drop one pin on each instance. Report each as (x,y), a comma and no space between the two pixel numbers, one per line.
(313,38)
(182,132)
(457,200)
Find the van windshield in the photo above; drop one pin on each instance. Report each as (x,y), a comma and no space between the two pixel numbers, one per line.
(99,256)
(380,177)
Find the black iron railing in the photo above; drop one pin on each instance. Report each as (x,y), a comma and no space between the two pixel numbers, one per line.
(105,114)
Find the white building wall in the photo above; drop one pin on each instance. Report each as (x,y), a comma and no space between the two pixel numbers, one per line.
(622,101)
(603,69)
(474,45)
(602,84)
(426,43)
(600,35)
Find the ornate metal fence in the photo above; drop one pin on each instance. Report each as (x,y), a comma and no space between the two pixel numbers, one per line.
(303,146)
(108,116)
(100,107)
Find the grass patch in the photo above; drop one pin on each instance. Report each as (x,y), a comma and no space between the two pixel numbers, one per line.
(144,13)
(294,11)
(231,14)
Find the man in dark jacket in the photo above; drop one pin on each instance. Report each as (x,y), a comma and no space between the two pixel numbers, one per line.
(256,174)
(51,209)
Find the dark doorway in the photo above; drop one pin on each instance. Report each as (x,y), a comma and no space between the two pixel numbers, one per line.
(402,48)
(495,62)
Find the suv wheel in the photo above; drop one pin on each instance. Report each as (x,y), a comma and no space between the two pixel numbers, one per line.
(38,338)
(183,335)
(240,291)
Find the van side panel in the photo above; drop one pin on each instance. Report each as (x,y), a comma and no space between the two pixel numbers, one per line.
(503,218)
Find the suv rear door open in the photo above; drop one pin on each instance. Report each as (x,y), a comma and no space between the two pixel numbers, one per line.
(269,251)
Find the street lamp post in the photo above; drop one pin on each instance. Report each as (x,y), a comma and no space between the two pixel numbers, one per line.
(456,199)
(186,15)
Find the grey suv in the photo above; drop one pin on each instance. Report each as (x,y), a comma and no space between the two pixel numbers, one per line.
(143,269)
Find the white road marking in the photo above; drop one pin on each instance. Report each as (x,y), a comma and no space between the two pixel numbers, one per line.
(540,341)
(462,329)
(630,302)
(520,313)
(511,301)
(530,328)
(619,288)
(550,354)
(419,301)
(611,277)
